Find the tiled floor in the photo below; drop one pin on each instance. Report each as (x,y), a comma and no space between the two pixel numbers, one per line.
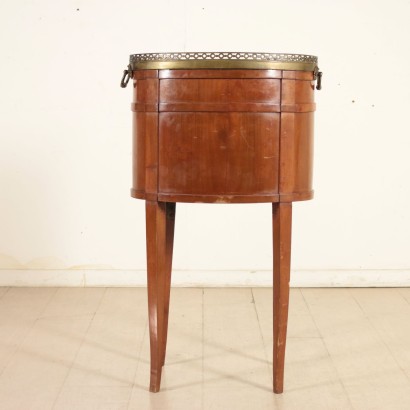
(88,348)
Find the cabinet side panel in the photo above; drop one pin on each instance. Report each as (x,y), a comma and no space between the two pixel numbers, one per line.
(145,134)
(298,92)
(296,156)
(138,155)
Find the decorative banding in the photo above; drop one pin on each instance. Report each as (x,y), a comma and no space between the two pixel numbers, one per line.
(218,199)
(306,107)
(219,107)
(141,107)
(223,74)
(151,196)
(137,194)
(222,107)
(169,197)
(296,196)
(298,75)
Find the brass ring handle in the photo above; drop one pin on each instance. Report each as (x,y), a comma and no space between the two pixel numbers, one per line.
(318,77)
(126,77)
(319,81)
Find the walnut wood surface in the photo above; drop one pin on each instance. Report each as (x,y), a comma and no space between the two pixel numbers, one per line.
(160,218)
(220,136)
(226,136)
(282,228)
(170,209)
(223,74)
(156,278)
(296,156)
(218,154)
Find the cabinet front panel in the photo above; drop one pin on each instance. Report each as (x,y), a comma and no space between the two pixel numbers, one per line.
(231,153)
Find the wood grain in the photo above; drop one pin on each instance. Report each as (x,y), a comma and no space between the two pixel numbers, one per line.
(218,153)
(156,277)
(223,74)
(211,135)
(170,211)
(282,231)
(219,90)
(296,156)
(160,218)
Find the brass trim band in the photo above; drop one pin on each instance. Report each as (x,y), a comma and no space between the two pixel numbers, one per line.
(222,60)
(222,64)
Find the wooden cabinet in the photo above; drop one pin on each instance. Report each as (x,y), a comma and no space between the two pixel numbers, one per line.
(223,135)
(220,134)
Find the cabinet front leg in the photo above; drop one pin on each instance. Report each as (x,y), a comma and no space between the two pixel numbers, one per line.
(282,228)
(157,278)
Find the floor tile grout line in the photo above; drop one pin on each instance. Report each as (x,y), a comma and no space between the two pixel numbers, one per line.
(265,348)
(402,296)
(138,362)
(380,337)
(5,293)
(317,308)
(79,348)
(29,330)
(327,350)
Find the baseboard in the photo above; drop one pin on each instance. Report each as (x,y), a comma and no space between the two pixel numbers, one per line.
(211,278)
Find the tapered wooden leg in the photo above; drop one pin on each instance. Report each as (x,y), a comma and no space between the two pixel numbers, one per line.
(169,237)
(158,277)
(282,227)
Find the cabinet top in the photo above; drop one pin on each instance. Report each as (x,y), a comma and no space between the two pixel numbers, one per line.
(223,60)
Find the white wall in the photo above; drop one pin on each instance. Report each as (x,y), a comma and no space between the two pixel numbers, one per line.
(65,136)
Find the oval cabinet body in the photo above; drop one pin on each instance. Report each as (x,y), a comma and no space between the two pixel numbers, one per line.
(223,135)
(220,128)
